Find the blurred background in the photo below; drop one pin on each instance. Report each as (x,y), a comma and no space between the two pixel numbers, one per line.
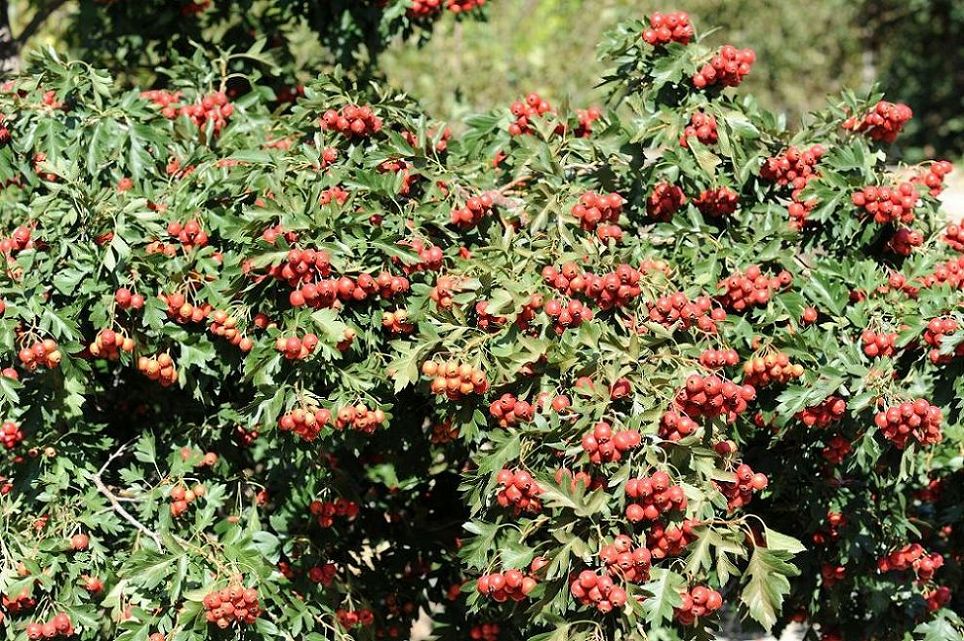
(806,50)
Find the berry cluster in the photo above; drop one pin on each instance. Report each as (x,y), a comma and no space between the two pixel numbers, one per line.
(699,601)
(677,308)
(903,242)
(510,411)
(10,435)
(305,422)
(193,8)
(325,512)
(652,496)
(772,368)
(455,380)
(727,68)
(233,604)
(593,209)
(404,169)
(524,111)
(212,109)
(485,320)
(799,209)
(444,432)
(476,208)
(158,368)
(751,288)
(567,315)
(323,574)
(430,257)
(740,492)
(836,450)
(126,299)
(878,344)
(615,289)
(931,492)
(330,292)
(665,200)
(445,286)
(528,312)
(421,9)
(352,121)
(882,123)
(934,333)
(835,521)
(670,540)
(519,490)
(59,625)
(950,273)
(335,195)
(719,358)
(793,167)
(932,176)
(588,482)
(702,127)
(887,204)
(295,348)
(717,203)
(485,632)
(954,236)
(606,232)
(359,418)
(586,118)
(603,445)
(300,265)
(711,397)
(109,344)
(181,498)
(669,27)
(937,598)
(18,241)
(45,353)
(434,142)
(912,557)
(181,311)
(511,585)
(674,426)
(245,437)
(598,591)
(916,419)
(189,234)
(824,414)
(355,618)
(625,561)
(397,322)
(225,326)
(832,574)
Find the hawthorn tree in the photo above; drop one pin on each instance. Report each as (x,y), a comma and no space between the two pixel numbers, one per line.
(303,370)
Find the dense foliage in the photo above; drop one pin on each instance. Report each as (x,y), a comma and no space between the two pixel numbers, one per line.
(300,370)
(134,39)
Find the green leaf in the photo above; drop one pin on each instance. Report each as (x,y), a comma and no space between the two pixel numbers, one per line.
(666,588)
(767,584)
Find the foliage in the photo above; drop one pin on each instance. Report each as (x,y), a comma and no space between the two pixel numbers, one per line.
(311,398)
(915,43)
(133,39)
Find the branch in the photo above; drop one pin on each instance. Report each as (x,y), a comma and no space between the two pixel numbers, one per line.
(38,20)
(115,503)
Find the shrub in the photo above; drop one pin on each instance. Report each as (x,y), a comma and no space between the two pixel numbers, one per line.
(303,372)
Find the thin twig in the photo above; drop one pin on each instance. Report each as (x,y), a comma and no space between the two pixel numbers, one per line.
(115,503)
